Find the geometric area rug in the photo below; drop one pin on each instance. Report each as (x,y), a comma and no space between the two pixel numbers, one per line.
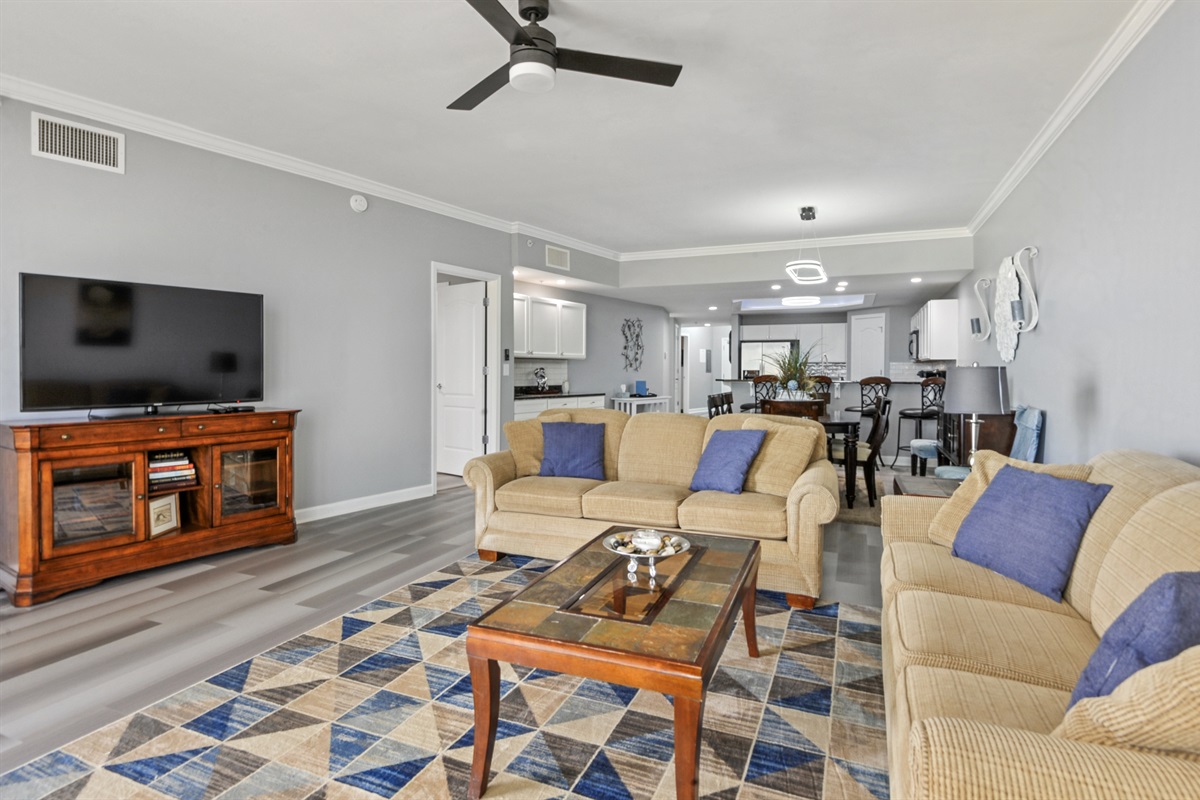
(377,703)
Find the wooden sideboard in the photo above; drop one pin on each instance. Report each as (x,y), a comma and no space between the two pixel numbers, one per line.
(77,504)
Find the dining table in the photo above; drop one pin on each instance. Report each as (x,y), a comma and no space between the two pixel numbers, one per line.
(845,424)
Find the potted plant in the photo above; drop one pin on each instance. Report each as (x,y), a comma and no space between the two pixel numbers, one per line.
(792,368)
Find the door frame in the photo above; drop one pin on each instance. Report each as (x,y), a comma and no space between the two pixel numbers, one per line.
(491,423)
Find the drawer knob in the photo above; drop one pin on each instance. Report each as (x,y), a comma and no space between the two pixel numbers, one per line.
(161,429)
(200,427)
(274,422)
(141,497)
(66,436)
(216,486)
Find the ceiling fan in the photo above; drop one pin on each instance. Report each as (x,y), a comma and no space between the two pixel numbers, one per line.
(534,57)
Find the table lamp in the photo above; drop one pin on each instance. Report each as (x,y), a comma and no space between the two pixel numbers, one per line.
(976,390)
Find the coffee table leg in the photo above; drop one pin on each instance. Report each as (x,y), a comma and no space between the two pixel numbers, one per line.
(688,713)
(485,690)
(748,615)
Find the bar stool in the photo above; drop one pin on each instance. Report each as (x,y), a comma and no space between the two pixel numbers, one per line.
(765,388)
(931,409)
(871,389)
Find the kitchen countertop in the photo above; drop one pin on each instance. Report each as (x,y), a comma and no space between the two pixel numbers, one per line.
(540,395)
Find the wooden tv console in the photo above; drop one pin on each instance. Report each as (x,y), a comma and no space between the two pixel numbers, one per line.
(77,504)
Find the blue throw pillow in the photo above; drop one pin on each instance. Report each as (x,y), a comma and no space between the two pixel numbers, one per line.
(1160,624)
(1027,526)
(573,450)
(726,460)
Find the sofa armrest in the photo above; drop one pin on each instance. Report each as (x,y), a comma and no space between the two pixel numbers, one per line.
(812,502)
(958,759)
(906,518)
(485,475)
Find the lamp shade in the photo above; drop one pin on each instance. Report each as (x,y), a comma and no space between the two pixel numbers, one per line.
(976,390)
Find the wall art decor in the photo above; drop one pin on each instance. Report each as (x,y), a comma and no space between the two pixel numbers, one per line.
(634,349)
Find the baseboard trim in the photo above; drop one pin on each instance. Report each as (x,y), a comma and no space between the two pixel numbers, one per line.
(341,507)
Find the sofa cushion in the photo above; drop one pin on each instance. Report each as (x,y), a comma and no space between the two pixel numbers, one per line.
(930,692)
(1156,708)
(1162,537)
(1028,526)
(633,503)
(1158,625)
(735,422)
(661,448)
(526,442)
(989,638)
(725,461)
(554,497)
(1136,476)
(785,453)
(750,514)
(573,450)
(950,516)
(614,427)
(920,565)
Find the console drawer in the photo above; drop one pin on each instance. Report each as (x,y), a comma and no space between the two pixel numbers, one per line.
(108,433)
(235,423)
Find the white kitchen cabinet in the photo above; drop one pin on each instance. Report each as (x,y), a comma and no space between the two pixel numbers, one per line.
(545,328)
(936,327)
(809,335)
(530,407)
(752,333)
(520,324)
(752,357)
(572,330)
(782,333)
(833,342)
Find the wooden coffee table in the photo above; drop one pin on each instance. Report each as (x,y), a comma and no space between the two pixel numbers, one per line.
(585,617)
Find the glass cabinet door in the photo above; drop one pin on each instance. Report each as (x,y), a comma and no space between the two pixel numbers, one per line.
(251,481)
(91,503)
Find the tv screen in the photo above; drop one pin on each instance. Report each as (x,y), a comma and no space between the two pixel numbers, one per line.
(89,343)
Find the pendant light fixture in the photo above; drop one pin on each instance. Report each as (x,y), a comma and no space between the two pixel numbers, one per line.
(807,270)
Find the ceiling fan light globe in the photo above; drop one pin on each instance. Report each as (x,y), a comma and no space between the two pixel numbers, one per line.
(806,271)
(531,76)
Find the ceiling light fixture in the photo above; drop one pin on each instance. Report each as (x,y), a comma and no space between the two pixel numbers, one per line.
(807,270)
(712,308)
(839,288)
(843,283)
(776,287)
(915,280)
(801,301)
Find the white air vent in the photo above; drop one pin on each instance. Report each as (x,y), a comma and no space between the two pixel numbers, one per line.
(558,258)
(78,144)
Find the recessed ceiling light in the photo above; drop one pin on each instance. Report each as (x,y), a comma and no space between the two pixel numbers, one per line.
(839,288)
(708,324)
(803,300)
(843,283)
(915,280)
(775,286)
(712,308)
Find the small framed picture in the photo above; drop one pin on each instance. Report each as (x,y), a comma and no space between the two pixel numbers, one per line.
(164,514)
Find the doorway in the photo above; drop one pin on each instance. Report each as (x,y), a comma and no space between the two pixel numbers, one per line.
(685,377)
(466,385)
(868,345)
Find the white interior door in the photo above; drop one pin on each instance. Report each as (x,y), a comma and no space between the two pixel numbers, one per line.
(461,322)
(868,345)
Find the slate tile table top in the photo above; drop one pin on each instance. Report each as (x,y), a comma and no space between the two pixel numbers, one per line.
(586,617)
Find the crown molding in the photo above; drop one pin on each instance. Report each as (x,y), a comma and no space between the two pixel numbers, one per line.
(1136,24)
(37,94)
(832,241)
(526,229)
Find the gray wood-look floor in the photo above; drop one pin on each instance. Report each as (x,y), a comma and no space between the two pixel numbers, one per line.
(77,663)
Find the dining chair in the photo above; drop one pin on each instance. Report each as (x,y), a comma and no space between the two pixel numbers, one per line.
(766,387)
(931,409)
(721,403)
(867,452)
(870,389)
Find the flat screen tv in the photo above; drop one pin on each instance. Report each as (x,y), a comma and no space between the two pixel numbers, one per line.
(89,343)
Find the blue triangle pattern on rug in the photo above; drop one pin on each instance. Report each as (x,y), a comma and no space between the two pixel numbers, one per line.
(399,719)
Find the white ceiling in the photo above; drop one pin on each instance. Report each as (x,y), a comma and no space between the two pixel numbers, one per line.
(889,116)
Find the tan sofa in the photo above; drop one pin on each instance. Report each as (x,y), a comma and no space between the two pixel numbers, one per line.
(978,669)
(649,461)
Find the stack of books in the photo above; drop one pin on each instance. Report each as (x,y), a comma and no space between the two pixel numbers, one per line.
(171,469)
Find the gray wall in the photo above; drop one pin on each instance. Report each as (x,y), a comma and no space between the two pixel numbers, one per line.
(1112,207)
(604,368)
(347,296)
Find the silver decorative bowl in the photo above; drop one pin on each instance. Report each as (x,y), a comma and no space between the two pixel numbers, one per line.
(633,545)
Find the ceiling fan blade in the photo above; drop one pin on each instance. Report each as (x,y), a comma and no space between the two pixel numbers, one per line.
(501,20)
(482,90)
(630,69)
